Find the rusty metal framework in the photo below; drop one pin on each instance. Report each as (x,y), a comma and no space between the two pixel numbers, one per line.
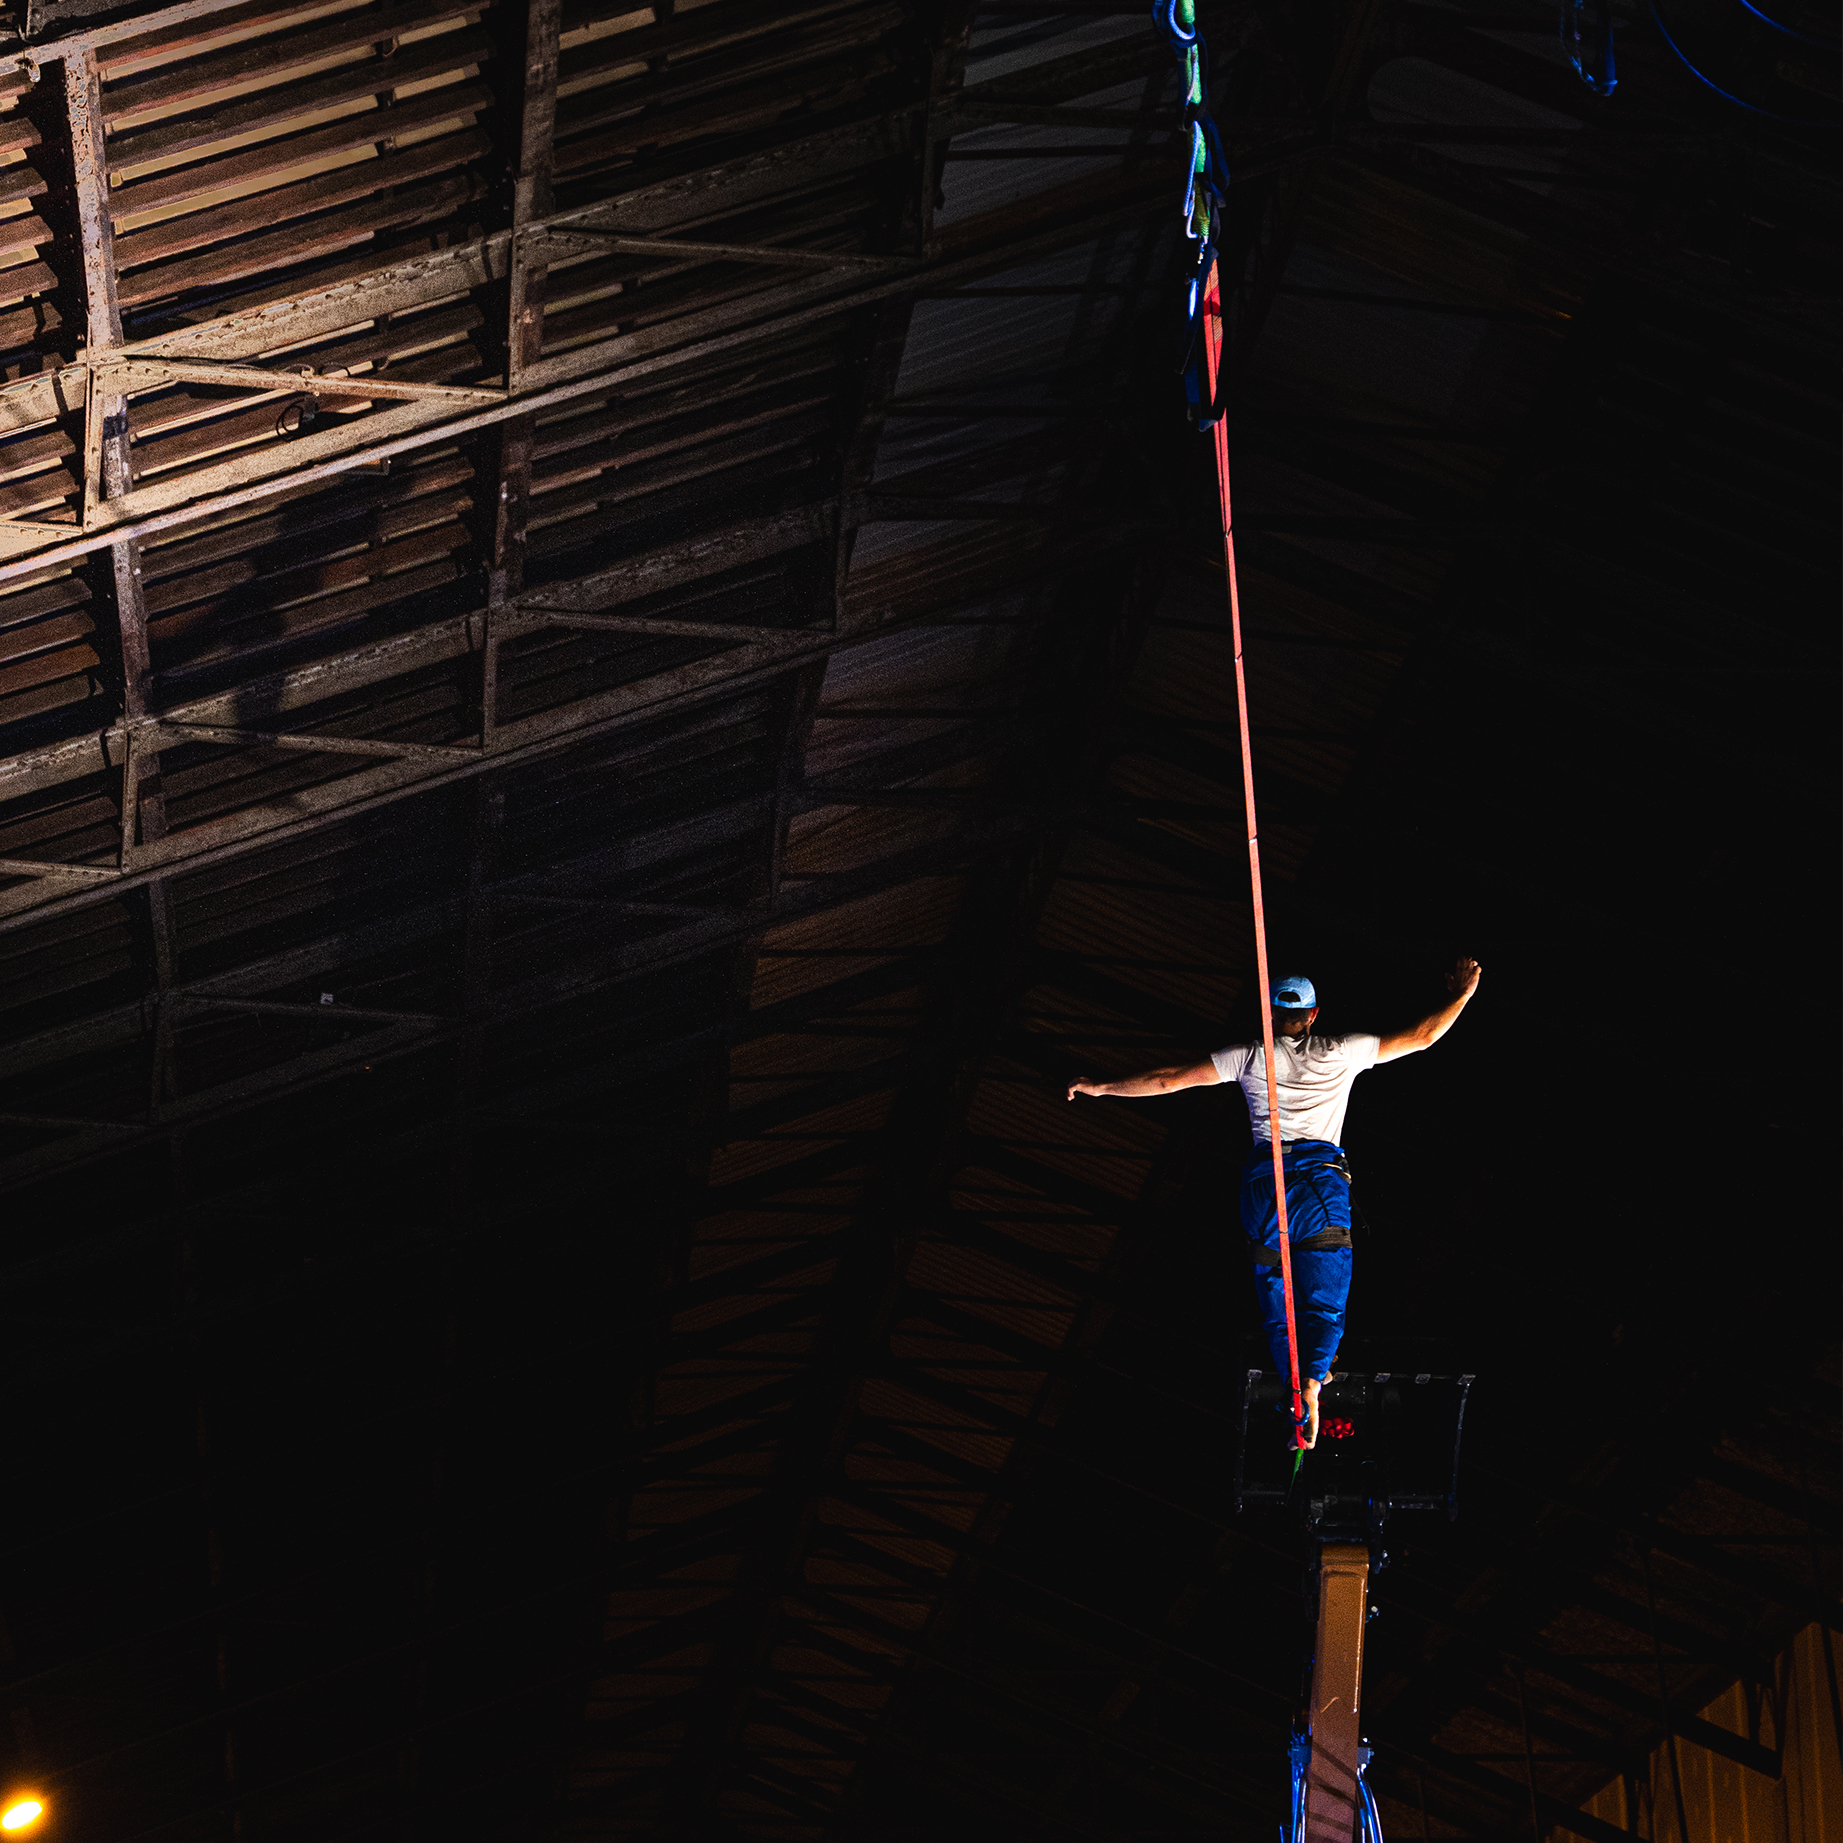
(119,516)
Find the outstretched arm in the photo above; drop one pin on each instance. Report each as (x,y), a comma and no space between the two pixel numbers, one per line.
(1153,1081)
(1462,982)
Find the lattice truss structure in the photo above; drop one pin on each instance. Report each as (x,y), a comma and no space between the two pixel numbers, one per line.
(608,676)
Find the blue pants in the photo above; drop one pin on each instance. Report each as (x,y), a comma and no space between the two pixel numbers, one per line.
(1317,1208)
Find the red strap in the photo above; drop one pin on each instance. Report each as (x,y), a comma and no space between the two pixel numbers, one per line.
(1212,344)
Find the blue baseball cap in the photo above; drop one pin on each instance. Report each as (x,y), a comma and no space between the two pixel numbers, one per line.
(1294,995)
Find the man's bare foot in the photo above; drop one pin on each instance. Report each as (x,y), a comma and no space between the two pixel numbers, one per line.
(1310,1391)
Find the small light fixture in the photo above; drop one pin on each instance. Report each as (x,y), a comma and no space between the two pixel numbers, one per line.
(22,1813)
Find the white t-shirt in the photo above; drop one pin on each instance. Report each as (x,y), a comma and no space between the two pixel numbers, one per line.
(1314,1073)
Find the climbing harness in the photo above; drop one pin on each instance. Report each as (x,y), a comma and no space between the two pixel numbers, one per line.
(1310,1244)
(1307,1165)
(1208,180)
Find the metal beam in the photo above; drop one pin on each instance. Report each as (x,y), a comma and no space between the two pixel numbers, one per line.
(107,467)
(534,738)
(647,573)
(44,867)
(108,474)
(316,744)
(418,280)
(94,38)
(571,235)
(749,541)
(608,365)
(151,373)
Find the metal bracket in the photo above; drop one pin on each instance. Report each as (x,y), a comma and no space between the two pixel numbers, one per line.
(43,867)
(321,745)
(617,243)
(157,371)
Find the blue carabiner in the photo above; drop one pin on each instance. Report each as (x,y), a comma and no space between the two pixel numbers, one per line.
(1206,254)
(1164,15)
(1592,55)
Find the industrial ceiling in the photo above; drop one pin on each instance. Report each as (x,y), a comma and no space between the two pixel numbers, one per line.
(614,668)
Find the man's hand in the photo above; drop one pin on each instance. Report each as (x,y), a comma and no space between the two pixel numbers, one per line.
(1309,1389)
(1462,982)
(1085,1086)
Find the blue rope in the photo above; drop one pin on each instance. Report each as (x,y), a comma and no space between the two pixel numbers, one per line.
(1206,182)
(1369,1819)
(1804,38)
(1299,1750)
(1772,115)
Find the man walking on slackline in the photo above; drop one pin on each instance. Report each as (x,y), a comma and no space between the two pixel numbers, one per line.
(1314,1075)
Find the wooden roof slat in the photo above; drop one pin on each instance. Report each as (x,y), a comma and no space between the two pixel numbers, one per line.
(684,34)
(46,598)
(29,454)
(38,492)
(273,58)
(17,642)
(21,233)
(17,182)
(729,72)
(366,128)
(211,22)
(451,51)
(295,523)
(224,610)
(809,87)
(243,216)
(242,571)
(42,668)
(337,230)
(325,615)
(23,279)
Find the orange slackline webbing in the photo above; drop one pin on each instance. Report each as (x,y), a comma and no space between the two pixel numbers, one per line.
(1212,343)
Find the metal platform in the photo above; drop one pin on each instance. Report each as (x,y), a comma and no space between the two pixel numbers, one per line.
(1387,1442)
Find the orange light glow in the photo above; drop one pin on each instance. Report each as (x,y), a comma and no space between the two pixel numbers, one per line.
(22,1814)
